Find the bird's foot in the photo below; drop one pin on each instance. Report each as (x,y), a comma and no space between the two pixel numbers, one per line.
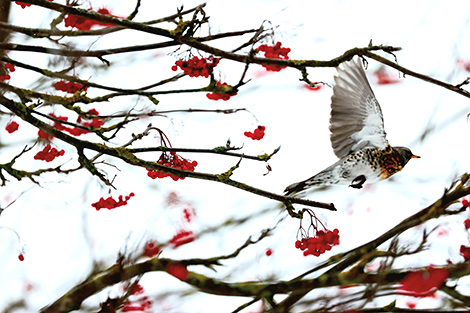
(358,182)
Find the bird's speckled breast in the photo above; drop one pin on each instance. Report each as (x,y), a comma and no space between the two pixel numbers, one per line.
(390,162)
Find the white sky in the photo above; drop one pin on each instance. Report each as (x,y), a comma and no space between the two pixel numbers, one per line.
(63,235)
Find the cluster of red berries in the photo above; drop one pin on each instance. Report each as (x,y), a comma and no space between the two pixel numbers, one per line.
(139,303)
(424,283)
(274,52)
(94,123)
(257,134)
(173,160)
(12,127)
(151,249)
(177,270)
(182,237)
(83,23)
(223,91)
(320,243)
(196,67)
(44,135)
(464,250)
(10,68)
(384,78)
(24,5)
(109,203)
(464,64)
(69,87)
(48,154)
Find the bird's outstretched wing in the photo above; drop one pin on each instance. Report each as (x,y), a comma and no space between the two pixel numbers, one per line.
(356,118)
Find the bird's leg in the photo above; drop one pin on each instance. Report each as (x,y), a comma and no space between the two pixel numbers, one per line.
(358,182)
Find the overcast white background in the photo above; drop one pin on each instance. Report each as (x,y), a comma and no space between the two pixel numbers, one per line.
(62,234)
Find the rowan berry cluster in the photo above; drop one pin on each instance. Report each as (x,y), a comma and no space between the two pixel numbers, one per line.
(257,134)
(384,78)
(110,203)
(8,67)
(465,250)
(464,64)
(24,5)
(69,87)
(319,244)
(172,160)
(274,52)
(12,127)
(223,91)
(196,67)
(83,23)
(75,131)
(44,135)
(137,302)
(48,154)
(424,283)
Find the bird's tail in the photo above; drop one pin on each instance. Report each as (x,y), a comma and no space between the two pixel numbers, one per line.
(324,178)
(296,188)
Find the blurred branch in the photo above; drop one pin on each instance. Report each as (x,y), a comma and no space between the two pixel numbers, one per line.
(340,275)
(345,260)
(455,88)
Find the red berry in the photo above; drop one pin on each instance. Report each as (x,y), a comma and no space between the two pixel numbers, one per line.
(269,252)
(178,270)
(12,127)
(151,249)
(257,134)
(21,257)
(182,237)
(467,223)
(465,203)
(465,252)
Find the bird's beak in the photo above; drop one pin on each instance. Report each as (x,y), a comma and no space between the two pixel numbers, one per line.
(415,157)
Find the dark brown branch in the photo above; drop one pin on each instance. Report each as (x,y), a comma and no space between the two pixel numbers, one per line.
(124,154)
(40,32)
(105,52)
(222,150)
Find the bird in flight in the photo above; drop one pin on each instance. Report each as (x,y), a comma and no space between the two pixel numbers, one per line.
(357,136)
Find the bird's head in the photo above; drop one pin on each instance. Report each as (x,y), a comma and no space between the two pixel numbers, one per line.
(405,154)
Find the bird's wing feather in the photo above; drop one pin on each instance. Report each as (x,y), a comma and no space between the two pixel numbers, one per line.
(356,118)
